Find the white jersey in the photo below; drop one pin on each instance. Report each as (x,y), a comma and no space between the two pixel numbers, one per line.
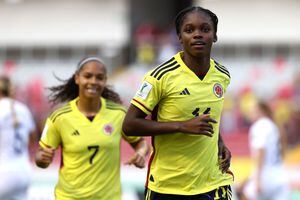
(265,135)
(15,166)
(14,141)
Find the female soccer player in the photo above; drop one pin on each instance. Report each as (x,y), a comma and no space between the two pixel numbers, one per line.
(268,180)
(17,133)
(88,129)
(185,95)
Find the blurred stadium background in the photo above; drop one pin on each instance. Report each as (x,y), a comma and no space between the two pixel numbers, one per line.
(259,42)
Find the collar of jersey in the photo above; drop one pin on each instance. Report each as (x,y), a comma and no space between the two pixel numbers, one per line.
(188,70)
(76,110)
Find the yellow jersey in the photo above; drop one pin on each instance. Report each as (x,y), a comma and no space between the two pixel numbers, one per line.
(181,163)
(90,151)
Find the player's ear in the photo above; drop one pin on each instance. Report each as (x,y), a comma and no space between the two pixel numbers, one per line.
(179,38)
(215,38)
(76,78)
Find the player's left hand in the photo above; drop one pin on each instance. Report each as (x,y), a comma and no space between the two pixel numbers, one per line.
(224,158)
(137,159)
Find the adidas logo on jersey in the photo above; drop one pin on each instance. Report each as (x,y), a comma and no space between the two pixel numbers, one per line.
(185,92)
(75,133)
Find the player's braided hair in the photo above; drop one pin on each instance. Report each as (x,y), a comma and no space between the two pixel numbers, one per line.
(5,86)
(181,15)
(69,90)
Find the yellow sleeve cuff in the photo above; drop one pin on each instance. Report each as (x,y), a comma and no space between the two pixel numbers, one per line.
(141,106)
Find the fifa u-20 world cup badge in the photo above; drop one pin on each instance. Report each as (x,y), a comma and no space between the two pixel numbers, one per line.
(144,90)
(218,90)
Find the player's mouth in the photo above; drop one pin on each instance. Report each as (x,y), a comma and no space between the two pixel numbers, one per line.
(92,91)
(198,44)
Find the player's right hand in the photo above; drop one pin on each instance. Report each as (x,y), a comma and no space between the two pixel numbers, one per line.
(200,125)
(44,156)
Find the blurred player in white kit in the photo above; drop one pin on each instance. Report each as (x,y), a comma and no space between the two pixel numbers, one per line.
(268,180)
(17,129)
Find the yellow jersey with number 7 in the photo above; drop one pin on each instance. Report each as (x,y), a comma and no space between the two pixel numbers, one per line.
(90,165)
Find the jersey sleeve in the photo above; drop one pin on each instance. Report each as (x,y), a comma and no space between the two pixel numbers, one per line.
(148,95)
(50,136)
(30,121)
(259,135)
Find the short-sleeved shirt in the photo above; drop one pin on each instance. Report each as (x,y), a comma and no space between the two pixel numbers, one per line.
(182,163)
(90,150)
(265,135)
(14,140)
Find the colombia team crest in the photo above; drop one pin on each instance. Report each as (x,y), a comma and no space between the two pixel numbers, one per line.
(218,90)
(108,129)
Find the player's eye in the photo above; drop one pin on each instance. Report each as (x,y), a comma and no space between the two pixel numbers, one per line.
(87,75)
(100,77)
(188,29)
(205,30)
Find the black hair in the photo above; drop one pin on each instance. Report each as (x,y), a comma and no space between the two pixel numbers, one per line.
(69,90)
(5,86)
(181,15)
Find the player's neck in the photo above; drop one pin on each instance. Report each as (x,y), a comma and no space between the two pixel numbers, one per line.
(89,107)
(199,65)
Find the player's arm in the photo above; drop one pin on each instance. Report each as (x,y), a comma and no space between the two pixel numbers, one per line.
(142,149)
(135,124)
(32,130)
(32,140)
(224,155)
(282,139)
(259,159)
